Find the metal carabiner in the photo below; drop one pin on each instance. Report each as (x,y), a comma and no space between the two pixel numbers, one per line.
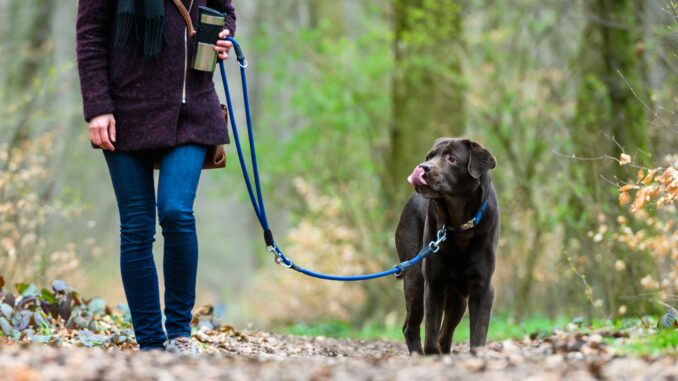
(282,263)
(280,258)
(442,234)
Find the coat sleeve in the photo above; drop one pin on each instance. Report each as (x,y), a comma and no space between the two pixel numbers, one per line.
(92,48)
(227,7)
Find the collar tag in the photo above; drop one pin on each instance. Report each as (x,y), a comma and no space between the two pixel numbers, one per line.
(468,225)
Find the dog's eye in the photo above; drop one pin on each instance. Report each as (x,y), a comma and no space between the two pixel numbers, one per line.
(452,159)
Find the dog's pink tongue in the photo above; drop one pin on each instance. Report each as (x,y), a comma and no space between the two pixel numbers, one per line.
(417,177)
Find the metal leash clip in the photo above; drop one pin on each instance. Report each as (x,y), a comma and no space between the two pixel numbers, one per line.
(440,237)
(280,258)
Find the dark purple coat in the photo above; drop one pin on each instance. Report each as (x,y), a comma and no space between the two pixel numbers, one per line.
(157,103)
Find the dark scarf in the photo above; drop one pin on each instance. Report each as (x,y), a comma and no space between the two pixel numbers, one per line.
(144,20)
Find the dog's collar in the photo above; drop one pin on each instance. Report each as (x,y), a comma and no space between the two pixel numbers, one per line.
(473,222)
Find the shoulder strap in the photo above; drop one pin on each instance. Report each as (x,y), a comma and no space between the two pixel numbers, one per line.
(186,16)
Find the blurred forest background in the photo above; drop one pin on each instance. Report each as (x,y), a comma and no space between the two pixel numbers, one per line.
(576,99)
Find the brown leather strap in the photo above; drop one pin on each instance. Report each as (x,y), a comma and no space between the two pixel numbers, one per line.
(186,16)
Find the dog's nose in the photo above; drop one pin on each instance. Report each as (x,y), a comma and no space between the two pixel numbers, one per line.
(425,166)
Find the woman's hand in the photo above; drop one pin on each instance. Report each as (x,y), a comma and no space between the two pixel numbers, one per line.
(100,128)
(222,45)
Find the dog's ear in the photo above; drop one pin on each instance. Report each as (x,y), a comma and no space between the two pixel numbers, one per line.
(480,160)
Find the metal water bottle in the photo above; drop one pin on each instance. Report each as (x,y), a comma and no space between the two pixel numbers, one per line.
(210,24)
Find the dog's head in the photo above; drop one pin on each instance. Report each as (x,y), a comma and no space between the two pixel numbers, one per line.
(453,167)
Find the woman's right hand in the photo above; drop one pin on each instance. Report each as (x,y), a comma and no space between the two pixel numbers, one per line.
(100,128)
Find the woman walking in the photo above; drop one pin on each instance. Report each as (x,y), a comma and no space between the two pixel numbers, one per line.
(144,103)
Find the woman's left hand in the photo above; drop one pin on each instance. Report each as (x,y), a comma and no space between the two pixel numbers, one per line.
(223,45)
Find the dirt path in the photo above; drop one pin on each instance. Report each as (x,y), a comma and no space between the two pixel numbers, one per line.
(231,355)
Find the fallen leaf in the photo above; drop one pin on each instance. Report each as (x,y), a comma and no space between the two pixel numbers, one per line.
(59,286)
(5,326)
(624,198)
(26,289)
(650,175)
(668,320)
(48,296)
(6,310)
(10,299)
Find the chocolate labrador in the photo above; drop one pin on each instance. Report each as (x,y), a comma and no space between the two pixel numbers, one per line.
(452,188)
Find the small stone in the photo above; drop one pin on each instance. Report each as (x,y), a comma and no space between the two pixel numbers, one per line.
(475,364)
(577,356)
(509,346)
(595,338)
(553,361)
(515,359)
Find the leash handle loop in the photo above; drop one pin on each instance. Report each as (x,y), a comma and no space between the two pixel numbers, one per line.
(239,54)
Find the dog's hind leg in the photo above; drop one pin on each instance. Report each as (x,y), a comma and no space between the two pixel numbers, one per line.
(455,306)
(414,301)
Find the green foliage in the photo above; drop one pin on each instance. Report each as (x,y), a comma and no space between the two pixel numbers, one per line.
(332,93)
(519,105)
(652,344)
(59,315)
(428,90)
(501,328)
(336,109)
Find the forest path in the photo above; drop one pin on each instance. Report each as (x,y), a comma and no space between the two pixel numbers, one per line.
(265,356)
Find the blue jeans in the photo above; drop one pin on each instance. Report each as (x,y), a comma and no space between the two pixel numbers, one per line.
(132,177)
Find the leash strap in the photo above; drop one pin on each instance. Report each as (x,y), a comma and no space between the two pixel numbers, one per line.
(258,199)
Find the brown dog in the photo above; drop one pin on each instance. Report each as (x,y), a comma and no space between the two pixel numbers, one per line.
(451,186)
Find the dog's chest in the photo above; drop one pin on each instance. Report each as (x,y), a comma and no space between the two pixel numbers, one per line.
(457,243)
(455,254)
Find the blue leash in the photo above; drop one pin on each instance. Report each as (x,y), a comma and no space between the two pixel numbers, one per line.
(258,200)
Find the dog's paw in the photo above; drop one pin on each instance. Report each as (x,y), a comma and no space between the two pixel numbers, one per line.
(432,351)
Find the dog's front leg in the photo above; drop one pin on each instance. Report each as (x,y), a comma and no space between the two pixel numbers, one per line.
(434,290)
(480,310)
(434,300)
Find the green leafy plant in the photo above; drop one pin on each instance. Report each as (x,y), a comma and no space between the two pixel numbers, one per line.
(60,314)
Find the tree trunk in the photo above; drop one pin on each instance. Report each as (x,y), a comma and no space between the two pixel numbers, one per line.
(609,106)
(30,49)
(427,89)
(609,100)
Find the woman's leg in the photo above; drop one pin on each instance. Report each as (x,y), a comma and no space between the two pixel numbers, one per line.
(180,169)
(132,178)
